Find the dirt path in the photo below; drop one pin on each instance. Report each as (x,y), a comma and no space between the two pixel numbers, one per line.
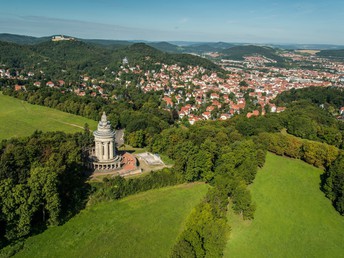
(68,123)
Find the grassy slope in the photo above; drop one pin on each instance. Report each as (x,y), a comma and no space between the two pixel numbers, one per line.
(19,118)
(293,217)
(142,225)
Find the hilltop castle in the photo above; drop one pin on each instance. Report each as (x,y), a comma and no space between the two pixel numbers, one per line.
(61,38)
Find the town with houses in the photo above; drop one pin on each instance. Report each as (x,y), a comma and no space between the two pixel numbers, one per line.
(197,94)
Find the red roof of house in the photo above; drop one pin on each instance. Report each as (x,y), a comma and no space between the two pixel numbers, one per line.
(17,87)
(210,108)
(280,109)
(168,100)
(255,112)
(128,161)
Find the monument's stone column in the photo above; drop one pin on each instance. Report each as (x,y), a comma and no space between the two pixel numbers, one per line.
(111,150)
(106,150)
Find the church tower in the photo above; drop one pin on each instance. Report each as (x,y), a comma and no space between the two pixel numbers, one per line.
(104,155)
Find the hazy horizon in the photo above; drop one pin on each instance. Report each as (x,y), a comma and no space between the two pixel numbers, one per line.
(180,42)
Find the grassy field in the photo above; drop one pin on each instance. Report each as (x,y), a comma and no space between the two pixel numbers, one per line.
(19,118)
(293,217)
(142,225)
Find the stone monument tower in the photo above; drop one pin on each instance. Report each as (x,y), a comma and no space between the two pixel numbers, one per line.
(104,155)
(104,140)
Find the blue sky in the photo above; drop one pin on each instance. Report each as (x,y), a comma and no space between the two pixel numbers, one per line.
(260,21)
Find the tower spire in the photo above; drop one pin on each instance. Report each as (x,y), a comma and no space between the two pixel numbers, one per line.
(104,118)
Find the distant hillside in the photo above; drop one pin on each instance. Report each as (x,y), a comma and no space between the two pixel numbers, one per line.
(110,44)
(70,59)
(76,51)
(239,52)
(209,47)
(223,45)
(174,47)
(167,47)
(21,39)
(15,56)
(332,54)
(107,42)
(197,48)
(29,40)
(138,51)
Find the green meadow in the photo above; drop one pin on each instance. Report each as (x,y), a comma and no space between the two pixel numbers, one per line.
(142,225)
(19,118)
(293,217)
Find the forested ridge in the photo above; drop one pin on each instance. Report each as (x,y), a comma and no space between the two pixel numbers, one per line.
(336,54)
(239,52)
(67,60)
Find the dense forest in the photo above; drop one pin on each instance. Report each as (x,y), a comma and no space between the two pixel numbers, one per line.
(42,182)
(336,54)
(239,52)
(302,119)
(68,60)
(330,97)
